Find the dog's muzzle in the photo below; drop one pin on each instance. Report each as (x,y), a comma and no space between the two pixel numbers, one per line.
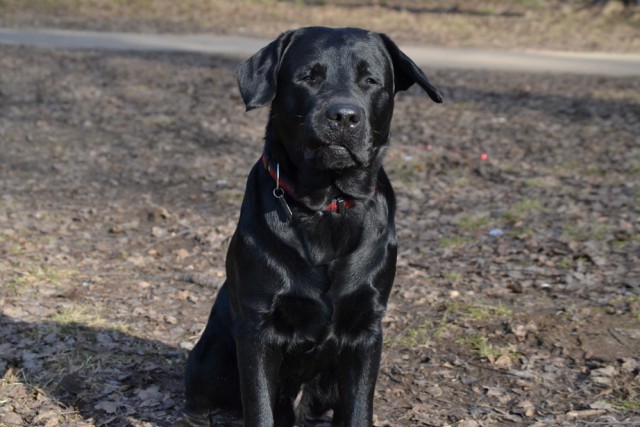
(337,137)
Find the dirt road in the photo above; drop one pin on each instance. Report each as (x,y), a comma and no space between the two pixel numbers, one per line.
(435,57)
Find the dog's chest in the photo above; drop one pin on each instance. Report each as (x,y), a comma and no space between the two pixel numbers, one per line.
(332,294)
(311,320)
(328,237)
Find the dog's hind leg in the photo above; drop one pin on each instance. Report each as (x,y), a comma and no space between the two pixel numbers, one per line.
(212,379)
(319,397)
(284,412)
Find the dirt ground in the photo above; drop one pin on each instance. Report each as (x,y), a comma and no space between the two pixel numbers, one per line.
(517,299)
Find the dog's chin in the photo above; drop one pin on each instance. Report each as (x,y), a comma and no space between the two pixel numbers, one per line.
(332,157)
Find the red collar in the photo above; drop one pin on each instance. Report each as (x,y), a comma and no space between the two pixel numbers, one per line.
(338,204)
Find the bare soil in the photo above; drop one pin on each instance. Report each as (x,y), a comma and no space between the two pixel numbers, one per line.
(517,299)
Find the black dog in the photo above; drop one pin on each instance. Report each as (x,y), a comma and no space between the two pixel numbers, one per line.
(312,261)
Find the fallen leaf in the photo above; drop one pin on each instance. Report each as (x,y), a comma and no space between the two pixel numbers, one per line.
(107,406)
(11,418)
(150,396)
(524,408)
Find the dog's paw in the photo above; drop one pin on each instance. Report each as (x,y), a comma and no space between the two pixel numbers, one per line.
(219,418)
(193,420)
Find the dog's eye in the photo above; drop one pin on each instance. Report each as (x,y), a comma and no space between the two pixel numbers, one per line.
(370,81)
(314,74)
(312,79)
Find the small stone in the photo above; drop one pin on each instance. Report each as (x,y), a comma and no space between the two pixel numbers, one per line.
(158,232)
(496,232)
(186,345)
(181,254)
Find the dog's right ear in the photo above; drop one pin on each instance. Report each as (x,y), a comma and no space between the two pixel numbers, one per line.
(258,75)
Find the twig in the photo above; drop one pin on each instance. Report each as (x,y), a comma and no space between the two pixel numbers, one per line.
(585,413)
(615,336)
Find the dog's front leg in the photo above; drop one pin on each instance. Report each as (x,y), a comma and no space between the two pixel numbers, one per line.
(357,381)
(259,364)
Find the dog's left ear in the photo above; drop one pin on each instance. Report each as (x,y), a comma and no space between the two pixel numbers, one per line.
(407,72)
(258,75)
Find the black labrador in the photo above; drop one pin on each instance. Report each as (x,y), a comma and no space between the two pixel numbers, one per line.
(295,332)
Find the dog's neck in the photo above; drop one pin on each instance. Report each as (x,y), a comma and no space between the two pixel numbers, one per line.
(318,190)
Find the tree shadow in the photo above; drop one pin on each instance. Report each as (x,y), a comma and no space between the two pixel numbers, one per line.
(109,377)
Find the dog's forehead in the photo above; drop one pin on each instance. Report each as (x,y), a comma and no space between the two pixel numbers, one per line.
(341,46)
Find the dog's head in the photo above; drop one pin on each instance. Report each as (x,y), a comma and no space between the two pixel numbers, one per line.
(331,92)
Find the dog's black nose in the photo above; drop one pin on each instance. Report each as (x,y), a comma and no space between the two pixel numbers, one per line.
(344,114)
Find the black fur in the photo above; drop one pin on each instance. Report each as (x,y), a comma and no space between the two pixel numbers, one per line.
(302,305)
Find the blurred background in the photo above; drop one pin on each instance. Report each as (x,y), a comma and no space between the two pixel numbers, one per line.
(608,25)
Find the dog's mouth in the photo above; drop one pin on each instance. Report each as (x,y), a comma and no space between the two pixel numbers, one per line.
(334,156)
